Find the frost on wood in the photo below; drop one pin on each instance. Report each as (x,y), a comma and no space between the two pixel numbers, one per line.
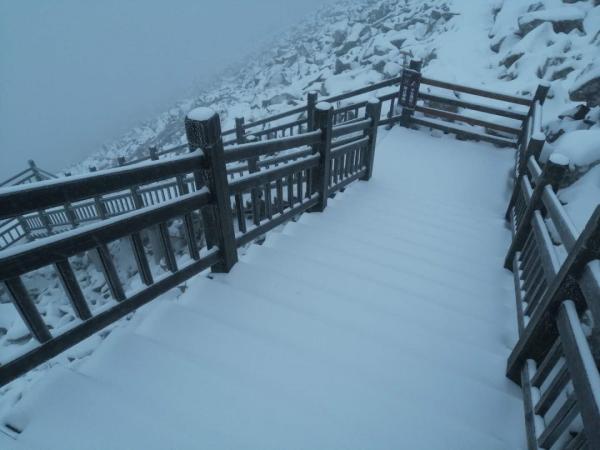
(201,114)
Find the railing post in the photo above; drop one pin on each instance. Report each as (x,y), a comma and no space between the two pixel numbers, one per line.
(203,130)
(121,160)
(153,151)
(26,228)
(35,170)
(541,92)
(99,205)
(240,137)
(373,112)
(409,91)
(540,96)
(324,122)
(311,102)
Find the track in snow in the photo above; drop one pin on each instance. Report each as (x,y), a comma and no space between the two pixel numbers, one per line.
(383,323)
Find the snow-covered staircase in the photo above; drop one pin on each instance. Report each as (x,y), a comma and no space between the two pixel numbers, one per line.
(383,323)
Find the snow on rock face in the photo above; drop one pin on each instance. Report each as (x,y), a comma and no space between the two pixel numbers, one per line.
(361,41)
(586,86)
(582,147)
(563,19)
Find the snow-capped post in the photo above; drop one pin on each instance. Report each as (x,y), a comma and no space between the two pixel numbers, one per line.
(153,151)
(320,182)
(539,97)
(239,130)
(34,169)
(541,92)
(373,112)
(554,171)
(409,91)
(203,130)
(121,160)
(71,216)
(311,102)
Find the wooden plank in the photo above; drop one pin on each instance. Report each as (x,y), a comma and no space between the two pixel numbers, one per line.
(141,259)
(19,366)
(72,289)
(465,119)
(277,220)
(24,199)
(463,131)
(167,247)
(559,423)
(553,390)
(27,309)
(547,364)
(479,92)
(254,149)
(530,417)
(541,328)
(583,370)
(43,252)
(473,106)
(553,173)
(110,273)
(270,175)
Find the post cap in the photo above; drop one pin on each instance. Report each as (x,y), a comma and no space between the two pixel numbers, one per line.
(373,100)
(201,114)
(323,106)
(202,127)
(558,159)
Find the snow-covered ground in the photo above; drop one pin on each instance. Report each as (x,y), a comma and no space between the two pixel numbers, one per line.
(383,322)
(503,45)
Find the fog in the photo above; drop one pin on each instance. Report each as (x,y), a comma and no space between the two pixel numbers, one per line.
(75,74)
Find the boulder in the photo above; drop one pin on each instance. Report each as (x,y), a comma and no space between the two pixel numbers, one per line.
(586,87)
(563,20)
(339,36)
(340,66)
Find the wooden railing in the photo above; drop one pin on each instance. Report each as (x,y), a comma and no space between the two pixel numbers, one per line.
(407,99)
(556,271)
(217,213)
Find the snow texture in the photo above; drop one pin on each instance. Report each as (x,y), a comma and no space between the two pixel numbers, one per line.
(385,321)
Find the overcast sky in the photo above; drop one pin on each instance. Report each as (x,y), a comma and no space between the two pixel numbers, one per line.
(77,73)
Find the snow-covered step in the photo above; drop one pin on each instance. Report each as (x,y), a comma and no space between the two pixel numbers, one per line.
(370,325)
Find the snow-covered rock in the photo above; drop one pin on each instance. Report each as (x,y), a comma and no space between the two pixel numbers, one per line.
(563,19)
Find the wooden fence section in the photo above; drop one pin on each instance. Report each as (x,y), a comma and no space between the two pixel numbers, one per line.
(217,213)
(14,229)
(406,99)
(557,286)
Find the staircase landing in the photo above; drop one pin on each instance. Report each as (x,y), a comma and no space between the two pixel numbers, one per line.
(383,323)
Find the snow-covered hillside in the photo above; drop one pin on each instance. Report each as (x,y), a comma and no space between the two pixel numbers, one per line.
(506,45)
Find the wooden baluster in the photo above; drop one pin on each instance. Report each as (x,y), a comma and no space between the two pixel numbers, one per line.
(72,288)
(27,309)
(110,273)
(141,259)
(311,102)
(188,220)
(240,134)
(373,112)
